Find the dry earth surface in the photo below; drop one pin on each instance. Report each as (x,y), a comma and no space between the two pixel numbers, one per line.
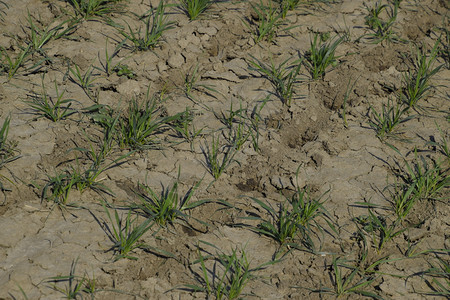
(43,236)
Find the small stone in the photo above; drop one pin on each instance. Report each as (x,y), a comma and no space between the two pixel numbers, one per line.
(211,31)
(162,66)
(129,88)
(238,66)
(183,43)
(280,182)
(195,40)
(176,60)
(205,38)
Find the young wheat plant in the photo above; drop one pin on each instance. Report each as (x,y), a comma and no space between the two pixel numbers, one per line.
(386,122)
(155,24)
(125,235)
(417,81)
(76,285)
(321,55)
(193,8)
(138,128)
(228,275)
(168,205)
(382,30)
(283,77)
(54,110)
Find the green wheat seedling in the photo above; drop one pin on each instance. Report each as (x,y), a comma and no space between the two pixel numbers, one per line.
(8,148)
(242,124)
(287,5)
(350,87)
(412,251)
(89,177)
(385,123)
(218,157)
(440,282)
(239,134)
(125,234)
(442,145)
(24,295)
(382,30)
(427,179)
(11,65)
(236,124)
(58,188)
(191,83)
(76,285)
(307,7)
(249,125)
(85,81)
(444,45)
(99,157)
(321,55)
(268,22)
(292,224)
(347,281)
(38,37)
(168,205)
(99,162)
(229,274)
(51,108)
(233,115)
(155,24)
(403,199)
(283,226)
(95,8)
(396,2)
(185,127)
(367,266)
(255,120)
(379,228)
(8,151)
(283,77)
(417,81)
(193,8)
(310,210)
(102,115)
(138,128)
(108,66)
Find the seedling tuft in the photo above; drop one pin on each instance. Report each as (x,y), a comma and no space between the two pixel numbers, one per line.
(228,275)
(155,23)
(386,122)
(321,55)
(283,77)
(218,157)
(417,81)
(138,128)
(47,107)
(382,30)
(125,235)
(168,205)
(193,8)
